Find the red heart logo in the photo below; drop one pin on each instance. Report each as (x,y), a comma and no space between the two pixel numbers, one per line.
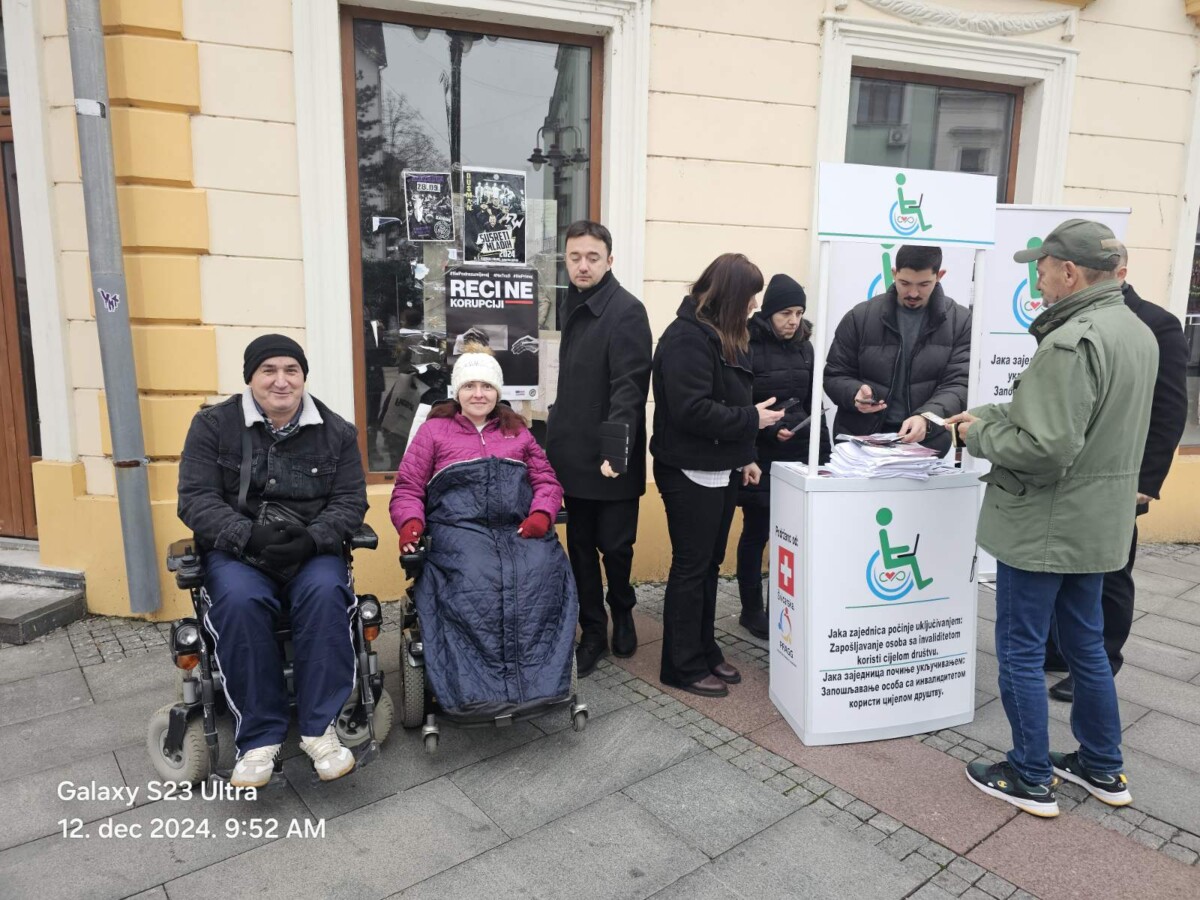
(1034,304)
(889,575)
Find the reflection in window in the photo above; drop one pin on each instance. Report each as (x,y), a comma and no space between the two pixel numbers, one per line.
(931,126)
(432,100)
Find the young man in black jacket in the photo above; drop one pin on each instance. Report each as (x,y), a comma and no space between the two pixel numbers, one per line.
(1168,417)
(901,354)
(603,377)
(305,458)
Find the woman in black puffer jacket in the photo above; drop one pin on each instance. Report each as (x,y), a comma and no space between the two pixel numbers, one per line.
(781,356)
(703,445)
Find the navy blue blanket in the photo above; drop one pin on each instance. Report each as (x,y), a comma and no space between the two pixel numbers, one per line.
(497,611)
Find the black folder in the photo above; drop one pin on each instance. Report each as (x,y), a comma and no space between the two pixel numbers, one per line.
(614,445)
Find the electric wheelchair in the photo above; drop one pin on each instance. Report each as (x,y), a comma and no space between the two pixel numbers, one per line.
(181,738)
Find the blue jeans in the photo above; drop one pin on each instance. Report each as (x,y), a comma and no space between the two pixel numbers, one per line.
(1028,606)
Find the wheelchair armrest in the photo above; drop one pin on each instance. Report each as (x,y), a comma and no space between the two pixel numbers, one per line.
(181,553)
(184,559)
(364,538)
(413,563)
(561,518)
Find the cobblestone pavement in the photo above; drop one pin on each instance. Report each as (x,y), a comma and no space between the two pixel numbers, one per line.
(495,809)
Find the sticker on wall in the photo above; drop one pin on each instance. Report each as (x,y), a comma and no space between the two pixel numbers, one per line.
(494,215)
(428,206)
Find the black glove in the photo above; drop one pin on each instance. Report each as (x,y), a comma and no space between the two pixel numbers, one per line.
(298,547)
(265,535)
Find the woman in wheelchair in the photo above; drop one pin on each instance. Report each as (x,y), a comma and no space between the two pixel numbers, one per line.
(496,598)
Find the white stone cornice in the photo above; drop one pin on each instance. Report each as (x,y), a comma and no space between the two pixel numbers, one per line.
(989,23)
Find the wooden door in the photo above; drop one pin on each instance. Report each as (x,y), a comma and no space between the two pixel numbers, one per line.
(19,433)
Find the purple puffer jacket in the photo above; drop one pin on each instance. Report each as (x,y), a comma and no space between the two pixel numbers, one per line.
(440,442)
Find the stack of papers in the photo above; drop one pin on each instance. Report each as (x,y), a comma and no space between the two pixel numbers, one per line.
(884,456)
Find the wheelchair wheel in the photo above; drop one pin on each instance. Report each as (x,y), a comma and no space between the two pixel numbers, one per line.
(352,734)
(191,763)
(412,693)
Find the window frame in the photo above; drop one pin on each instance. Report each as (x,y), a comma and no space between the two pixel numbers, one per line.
(347,15)
(1017,92)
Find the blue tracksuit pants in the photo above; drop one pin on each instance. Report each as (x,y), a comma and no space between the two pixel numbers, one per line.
(244,606)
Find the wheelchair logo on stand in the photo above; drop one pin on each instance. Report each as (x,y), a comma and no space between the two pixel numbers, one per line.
(905,215)
(1027,302)
(892,570)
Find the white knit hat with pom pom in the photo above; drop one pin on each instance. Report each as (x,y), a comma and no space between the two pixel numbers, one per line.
(477,364)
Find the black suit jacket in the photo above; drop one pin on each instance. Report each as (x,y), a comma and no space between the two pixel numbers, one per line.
(1168,410)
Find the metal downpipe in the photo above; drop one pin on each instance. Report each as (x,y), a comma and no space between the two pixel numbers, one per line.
(90,72)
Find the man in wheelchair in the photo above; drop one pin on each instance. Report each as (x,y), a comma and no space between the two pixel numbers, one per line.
(271,483)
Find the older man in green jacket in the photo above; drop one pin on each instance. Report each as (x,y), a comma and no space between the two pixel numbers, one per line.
(1059,512)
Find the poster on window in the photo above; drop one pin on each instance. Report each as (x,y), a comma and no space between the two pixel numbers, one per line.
(497,306)
(429,207)
(494,215)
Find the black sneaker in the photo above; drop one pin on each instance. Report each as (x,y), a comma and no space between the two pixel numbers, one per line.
(1000,780)
(1110,789)
(755,622)
(624,633)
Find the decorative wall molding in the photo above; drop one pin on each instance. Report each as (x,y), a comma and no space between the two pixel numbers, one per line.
(991,24)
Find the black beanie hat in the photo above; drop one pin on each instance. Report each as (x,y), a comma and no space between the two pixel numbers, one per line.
(263,348)
(782,292)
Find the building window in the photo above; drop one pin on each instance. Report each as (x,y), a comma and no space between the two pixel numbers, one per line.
(1191,330)
(440,96)
(926,122)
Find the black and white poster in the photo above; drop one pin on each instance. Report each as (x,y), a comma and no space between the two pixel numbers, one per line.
(429,206)
(497,306)
(494,215)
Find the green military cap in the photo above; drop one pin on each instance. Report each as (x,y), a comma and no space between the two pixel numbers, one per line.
(1081,241)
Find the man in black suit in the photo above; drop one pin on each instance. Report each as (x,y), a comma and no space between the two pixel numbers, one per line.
(603,381)
(1168,415)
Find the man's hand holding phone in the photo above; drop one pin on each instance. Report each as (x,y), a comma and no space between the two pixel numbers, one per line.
(866,402)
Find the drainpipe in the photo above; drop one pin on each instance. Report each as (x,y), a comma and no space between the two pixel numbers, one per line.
(89,70)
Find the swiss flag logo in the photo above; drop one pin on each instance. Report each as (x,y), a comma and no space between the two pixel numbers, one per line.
(787,571)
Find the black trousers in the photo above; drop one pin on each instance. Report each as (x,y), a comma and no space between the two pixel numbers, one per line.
(1116,603)
(756,531)
(698,520)
(596,527)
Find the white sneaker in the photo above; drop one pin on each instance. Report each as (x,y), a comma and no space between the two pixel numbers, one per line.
(330,758)
(255,767)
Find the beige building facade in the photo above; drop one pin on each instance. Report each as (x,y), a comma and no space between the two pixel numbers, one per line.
(259,145)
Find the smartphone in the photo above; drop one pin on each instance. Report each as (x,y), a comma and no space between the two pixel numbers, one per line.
(785,404)
(870,401)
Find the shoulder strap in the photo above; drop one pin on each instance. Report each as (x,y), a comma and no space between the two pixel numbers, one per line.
(244,480)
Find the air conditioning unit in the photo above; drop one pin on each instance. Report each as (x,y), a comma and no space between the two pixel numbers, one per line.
(898,136)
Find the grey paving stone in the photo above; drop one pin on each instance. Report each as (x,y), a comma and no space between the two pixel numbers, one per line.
(995,886)
(1162,789)
(528,786)
(839,798)
(1120,826)
(870,835)
(843,819)
(990,727)
(1153,841)
(937,743)
(1155,583)
(1183,608)
(886,823)
(1190,841)
(155,893)
(709,803)
(961,752)
(41,656)
(974,893)
(780,784)
(1162,829)
(861,810)
(1148,564)
(1162,658)
(406,838)
(43,695)
(904,842)
(35,808)
(725,751)
(133,675)
(1167,738)
(611,848)
(818,785)
(802,796)
(99,868)
(1168,631)
(1184,855)
(403,763)
(924,867)
(966,870)
(1129,814)
(600,701)
(836,865)
(950,883)
(77,733)
(931,892)
(939,854)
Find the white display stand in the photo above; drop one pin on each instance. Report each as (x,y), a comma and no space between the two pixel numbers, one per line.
(860,650)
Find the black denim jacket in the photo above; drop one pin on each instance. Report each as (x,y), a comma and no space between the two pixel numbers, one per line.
(316,471)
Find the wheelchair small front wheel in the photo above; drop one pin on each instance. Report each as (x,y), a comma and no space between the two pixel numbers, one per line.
(431,743)
(190,763)
(352,733)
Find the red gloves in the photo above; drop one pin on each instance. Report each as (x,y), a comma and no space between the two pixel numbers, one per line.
(411,531)
(536,525)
